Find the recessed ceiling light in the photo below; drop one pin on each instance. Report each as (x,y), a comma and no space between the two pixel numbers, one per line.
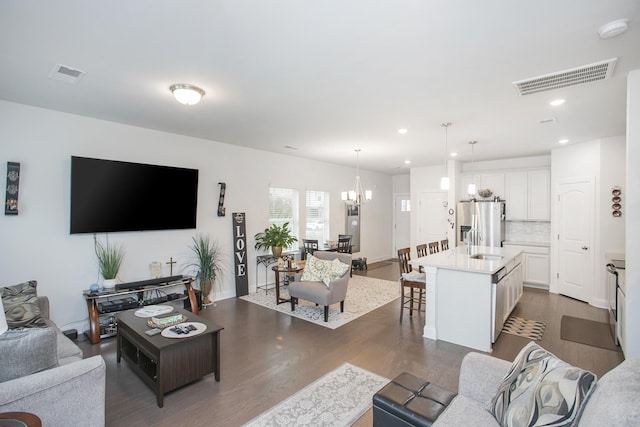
(557,102)
(453,154)
(563,141)
(406,162)
(613,28)
(403,131)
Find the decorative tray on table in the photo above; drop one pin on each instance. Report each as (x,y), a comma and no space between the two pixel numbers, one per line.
(166,321)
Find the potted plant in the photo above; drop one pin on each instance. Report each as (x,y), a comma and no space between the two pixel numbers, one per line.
(207,263)
(275,237)
(109,261)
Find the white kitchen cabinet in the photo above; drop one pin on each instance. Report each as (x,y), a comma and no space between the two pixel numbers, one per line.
(528,195)
(535,264)
(493,181)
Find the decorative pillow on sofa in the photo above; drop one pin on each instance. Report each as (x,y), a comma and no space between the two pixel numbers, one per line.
(541,390)
(27,351)
(21,305)
(320,270)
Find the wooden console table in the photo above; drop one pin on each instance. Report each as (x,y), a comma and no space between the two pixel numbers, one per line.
(137,290)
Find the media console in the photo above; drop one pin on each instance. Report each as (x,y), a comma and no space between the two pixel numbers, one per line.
(103,304)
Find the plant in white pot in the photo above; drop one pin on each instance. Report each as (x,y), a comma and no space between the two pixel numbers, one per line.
(110,257)
(207,263)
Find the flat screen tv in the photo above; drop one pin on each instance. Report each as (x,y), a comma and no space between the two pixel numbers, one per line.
(110,196)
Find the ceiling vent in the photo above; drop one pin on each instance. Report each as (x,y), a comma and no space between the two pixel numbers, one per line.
(576,76)
(66,74)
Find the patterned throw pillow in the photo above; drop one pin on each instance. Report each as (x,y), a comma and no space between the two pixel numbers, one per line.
(541,390)
(320,270)
(21,306)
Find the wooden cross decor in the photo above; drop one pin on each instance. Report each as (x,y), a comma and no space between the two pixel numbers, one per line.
(171,262)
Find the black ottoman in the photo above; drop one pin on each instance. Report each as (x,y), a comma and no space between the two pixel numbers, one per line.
(409,401)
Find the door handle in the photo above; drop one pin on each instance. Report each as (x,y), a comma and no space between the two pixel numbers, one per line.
(584,248)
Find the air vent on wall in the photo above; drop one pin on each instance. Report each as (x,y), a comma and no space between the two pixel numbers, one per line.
(66,74)
(576,76)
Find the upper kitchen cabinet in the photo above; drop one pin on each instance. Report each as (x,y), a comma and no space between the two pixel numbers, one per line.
(528,195)
(493,181)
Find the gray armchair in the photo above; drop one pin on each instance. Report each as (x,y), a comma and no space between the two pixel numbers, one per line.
(320,293)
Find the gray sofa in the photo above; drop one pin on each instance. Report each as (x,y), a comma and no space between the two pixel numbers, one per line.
(43,373)
(613,401)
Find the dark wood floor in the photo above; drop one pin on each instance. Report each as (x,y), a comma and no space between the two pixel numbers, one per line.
(268,356)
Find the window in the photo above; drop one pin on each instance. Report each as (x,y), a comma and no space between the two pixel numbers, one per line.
(405,205)
(317,216)
(283,207)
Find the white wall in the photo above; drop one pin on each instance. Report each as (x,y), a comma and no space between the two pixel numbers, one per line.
(631,208)
(37,245)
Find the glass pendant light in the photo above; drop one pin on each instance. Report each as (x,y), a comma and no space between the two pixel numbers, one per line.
(444,181)
(471,190)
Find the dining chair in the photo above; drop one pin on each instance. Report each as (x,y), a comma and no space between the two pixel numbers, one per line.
(344,247)
(434,247)
(344,236)
(414,282)
(444,244)
(309,246)
(421,250)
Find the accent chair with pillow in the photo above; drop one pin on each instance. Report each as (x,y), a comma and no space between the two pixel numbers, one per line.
(324,281)
(41,370)
(538,389)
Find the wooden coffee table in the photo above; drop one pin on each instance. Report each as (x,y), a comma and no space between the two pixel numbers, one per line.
(165,364)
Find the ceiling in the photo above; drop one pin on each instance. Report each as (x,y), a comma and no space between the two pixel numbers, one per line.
(327,77)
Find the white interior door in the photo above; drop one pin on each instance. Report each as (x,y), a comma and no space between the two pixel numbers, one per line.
(432,218)
(575,236)
(402,222)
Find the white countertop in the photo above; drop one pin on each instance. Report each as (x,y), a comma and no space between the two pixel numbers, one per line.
(528,243)
(458,259)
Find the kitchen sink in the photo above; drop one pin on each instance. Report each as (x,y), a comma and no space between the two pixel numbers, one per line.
(487,257)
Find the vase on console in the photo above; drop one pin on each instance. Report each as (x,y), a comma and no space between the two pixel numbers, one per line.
(110,258)
(109,283)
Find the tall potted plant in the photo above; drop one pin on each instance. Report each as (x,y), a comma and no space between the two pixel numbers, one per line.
(207,263)
(275,237)
(110,257)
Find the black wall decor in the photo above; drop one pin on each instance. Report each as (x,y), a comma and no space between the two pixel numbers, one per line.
(240,254)
(223,189)
(13,183)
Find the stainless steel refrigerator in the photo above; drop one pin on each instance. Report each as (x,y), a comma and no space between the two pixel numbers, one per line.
(486,217)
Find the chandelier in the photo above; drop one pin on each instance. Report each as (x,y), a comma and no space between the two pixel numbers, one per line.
(357,196)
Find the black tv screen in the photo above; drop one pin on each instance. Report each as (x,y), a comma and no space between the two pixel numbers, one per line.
(109,196)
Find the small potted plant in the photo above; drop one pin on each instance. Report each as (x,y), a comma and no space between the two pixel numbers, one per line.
(275,237)
(110,259)
(207,262)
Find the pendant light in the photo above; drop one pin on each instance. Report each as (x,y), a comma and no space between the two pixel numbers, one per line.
(472,187)
(357,196)
(444,181)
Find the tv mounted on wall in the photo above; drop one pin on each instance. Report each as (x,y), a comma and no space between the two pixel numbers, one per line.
(110,196)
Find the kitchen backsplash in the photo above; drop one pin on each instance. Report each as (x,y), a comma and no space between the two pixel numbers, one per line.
(528,231)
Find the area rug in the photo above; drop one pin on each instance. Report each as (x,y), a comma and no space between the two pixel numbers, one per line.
(363,295)
(337,399)
(589,332)
(531,329)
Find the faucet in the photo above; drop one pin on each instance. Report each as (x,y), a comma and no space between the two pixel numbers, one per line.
(473,238)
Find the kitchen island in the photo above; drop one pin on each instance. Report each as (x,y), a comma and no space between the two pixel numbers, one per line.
(470,293)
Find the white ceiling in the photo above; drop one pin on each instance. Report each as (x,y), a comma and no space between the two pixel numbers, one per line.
(328,76)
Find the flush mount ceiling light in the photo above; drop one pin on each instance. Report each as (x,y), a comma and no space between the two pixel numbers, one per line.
(557,102)
(403,131)
(613,28)
(563,141)
(187,94)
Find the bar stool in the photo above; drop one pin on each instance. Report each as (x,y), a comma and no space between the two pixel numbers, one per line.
(413,280)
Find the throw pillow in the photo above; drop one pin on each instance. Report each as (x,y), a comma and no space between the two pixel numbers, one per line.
(21,306)
(320,270)
(541,390)
(24,352)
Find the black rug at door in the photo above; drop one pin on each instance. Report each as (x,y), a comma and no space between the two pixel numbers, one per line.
(589,332)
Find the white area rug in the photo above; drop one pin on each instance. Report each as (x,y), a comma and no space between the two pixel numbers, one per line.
(337,399)
(363,295)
